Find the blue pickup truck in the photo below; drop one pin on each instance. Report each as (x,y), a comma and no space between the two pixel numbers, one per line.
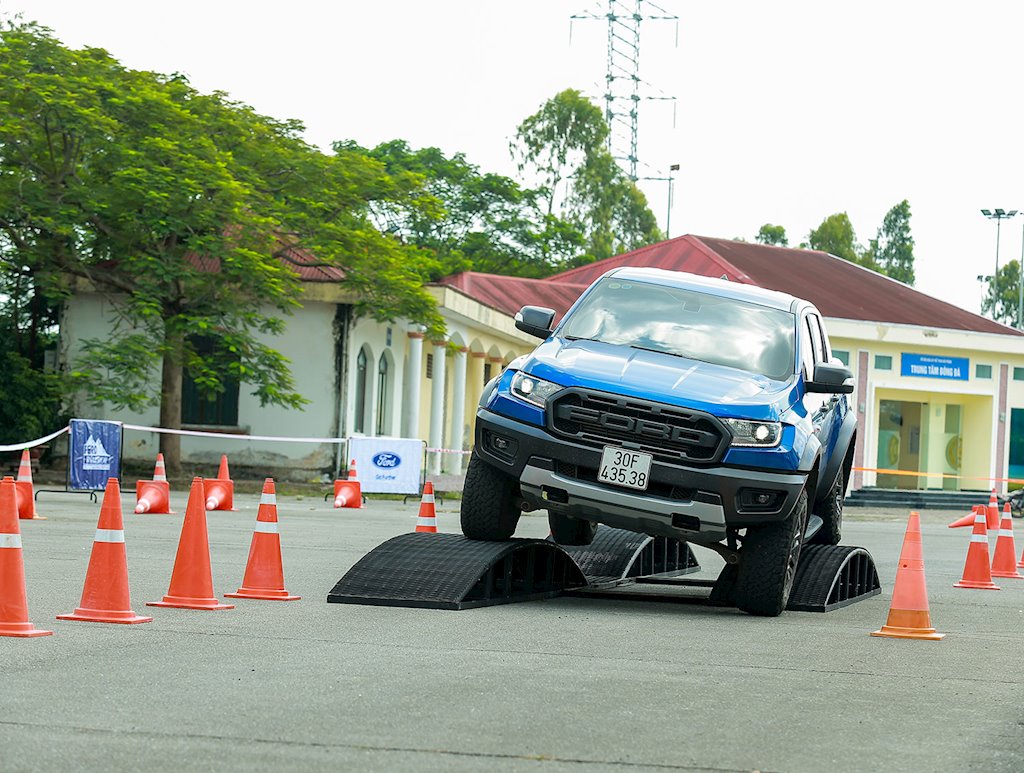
(677,405)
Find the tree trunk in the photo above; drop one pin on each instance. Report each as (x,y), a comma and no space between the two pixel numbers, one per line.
(170,404)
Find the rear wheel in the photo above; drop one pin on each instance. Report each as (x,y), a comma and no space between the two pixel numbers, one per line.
(831,513)
(768,562)
(566,530)
(489,502)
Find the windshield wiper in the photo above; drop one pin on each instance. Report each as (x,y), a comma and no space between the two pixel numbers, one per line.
(659,351)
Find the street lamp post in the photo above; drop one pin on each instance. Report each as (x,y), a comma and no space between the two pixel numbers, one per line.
(671,183)
(999,215)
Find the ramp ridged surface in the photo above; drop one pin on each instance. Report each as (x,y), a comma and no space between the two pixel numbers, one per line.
(619,554)
(449,571)
(832,576)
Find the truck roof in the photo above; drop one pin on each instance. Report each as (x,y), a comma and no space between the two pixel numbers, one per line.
(720,287)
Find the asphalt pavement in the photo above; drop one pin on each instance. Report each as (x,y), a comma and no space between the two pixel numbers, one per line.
(565,684)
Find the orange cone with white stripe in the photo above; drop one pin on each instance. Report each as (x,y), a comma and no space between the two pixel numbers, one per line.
(105,598)
(264,574)
(192,579)
(26,496)
(220,491)
(967,520)
(352,470)
(909,617)
(977,572)
(427,520)
(154,496)
(13,601)
(348,493)
(1004,560)
(992,512)
(159,469)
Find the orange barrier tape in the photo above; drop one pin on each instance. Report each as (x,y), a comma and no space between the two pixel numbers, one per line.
(913,474)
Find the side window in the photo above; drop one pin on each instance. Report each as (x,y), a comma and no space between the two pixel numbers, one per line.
(826,354)
(806,350)
(815,332)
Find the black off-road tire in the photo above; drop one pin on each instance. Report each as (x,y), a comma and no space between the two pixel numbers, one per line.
(831,513)
(566,530)
(768,562)
(489,502)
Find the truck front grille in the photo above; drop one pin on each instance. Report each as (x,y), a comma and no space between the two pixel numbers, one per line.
(670,433)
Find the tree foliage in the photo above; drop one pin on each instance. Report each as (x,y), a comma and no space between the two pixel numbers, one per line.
(836,236)
(1002,298)
(773,235)
(188,211)
(474,220)
(892,250)
(562,145)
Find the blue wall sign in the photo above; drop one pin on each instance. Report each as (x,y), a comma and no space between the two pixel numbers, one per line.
(935,366)
(94,454)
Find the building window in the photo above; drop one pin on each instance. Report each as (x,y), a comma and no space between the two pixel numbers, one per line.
(1018,374)
(382,394)
(359,425)
(430,366)
(843,357)
(883,362)
(487,372)
(208,408)
(984,371)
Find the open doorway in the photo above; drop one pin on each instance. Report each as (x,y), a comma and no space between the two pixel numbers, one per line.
(902,440)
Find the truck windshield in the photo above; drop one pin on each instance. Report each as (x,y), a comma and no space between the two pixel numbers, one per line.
(687,323)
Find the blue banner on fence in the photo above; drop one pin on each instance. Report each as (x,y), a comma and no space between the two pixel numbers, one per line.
(94,454)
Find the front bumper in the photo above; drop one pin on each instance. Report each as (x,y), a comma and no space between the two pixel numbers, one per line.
(694,503)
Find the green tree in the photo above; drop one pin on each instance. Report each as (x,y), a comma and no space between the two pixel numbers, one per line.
(774,235)
(836,236)
(563,146)
(892,250)
(480,221)
(1003,296)
(187,212)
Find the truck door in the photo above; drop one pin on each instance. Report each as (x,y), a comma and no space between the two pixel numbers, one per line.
(825,410)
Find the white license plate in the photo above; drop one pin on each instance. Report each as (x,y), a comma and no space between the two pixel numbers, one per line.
(622,467)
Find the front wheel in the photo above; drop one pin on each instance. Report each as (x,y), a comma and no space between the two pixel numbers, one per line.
(489,502)
(831,513)
(768,562)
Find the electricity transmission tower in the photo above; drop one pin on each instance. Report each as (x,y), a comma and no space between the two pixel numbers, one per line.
(622,95)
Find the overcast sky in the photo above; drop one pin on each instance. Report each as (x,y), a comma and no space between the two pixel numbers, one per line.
(787,111)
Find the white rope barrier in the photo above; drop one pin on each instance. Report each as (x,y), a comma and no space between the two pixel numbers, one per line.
(34,443)
(232,436)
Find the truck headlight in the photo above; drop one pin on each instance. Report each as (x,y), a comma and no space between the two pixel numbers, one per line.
(762,434)
(533,390)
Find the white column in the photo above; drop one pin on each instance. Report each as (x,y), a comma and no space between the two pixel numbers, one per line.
(413,374)
(454,461)
(436,439)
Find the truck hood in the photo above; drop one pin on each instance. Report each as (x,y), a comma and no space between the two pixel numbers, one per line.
(663,378)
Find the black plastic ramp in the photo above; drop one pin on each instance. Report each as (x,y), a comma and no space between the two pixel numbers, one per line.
(832,576)
(618,555)
(449,571)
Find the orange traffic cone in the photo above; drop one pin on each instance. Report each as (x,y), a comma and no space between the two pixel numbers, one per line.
(427,521)
(154,496)
(348,493)
(105,598)
(192,580)
(967,520)
(13,601)
(909,617)
(25,496)
(220,491)
(977,572)
(264,574)
(992,512)
(352,470)
(1004,560)
(159,470)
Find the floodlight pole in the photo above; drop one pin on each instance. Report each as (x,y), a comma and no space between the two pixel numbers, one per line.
(671,183)
(999,215)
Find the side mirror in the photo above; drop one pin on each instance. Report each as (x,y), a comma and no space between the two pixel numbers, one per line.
(535,320)
(832,379)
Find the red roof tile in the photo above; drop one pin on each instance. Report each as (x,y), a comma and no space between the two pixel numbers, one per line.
(839,289)
(509,293)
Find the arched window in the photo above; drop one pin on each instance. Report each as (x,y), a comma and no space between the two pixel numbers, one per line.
(382,394)
(359,425)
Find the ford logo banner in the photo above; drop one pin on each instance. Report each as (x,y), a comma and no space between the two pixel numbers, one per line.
(386,460)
